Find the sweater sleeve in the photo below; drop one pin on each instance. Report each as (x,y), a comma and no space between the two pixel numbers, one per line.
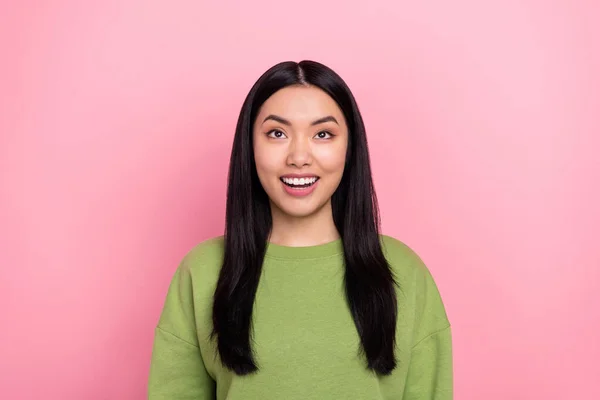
(430,374)
(430,371)
(177,369)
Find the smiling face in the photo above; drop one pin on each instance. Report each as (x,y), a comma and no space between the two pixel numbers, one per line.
(300,139)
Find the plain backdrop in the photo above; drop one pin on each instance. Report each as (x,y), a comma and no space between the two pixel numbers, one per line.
(116,124)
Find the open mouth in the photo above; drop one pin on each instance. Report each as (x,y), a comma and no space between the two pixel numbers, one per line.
(300,183)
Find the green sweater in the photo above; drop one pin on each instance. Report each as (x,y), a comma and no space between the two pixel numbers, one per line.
(305,341)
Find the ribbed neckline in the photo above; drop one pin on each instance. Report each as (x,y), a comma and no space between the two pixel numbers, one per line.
(305,252)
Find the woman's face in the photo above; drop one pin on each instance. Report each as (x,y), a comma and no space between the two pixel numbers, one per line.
(300,132)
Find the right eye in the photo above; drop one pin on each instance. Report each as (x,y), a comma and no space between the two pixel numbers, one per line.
(275,134)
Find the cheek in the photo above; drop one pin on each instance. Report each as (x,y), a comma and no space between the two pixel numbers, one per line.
(266,161)
(332,159)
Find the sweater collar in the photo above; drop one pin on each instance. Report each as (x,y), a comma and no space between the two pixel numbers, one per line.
(305,252)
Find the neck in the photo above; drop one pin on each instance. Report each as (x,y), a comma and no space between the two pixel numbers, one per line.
(311,230)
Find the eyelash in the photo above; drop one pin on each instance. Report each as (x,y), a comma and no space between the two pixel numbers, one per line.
(277,130)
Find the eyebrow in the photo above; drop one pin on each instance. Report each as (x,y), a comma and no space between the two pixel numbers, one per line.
(284,121)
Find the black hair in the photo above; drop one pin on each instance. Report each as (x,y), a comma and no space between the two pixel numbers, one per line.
(369,280)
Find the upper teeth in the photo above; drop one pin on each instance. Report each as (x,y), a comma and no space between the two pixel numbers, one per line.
(300,181)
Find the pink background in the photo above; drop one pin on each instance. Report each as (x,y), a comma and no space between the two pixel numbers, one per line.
(116,122)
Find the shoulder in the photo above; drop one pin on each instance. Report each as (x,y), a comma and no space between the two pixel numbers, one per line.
(208,251)
(406,264)
(202,263)
(397,249)
(191,289)
(417,286)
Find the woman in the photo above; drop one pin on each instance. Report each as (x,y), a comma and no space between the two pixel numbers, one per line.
(302,297)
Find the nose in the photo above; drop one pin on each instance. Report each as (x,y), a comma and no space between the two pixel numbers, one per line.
(300,153)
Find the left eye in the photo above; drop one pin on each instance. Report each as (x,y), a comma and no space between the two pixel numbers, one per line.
(322,135)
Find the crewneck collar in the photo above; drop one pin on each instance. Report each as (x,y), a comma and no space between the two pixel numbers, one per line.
(305,252)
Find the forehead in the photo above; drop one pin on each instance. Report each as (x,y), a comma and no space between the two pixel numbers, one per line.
(300,103)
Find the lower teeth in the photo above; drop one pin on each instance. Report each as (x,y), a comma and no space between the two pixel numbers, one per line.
(300,186)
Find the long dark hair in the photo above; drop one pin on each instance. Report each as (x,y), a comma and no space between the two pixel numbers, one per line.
(369,281)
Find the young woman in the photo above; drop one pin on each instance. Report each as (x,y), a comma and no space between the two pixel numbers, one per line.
(302,297)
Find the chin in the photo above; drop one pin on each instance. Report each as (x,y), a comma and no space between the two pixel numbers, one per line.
(299,213)
(299,210)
